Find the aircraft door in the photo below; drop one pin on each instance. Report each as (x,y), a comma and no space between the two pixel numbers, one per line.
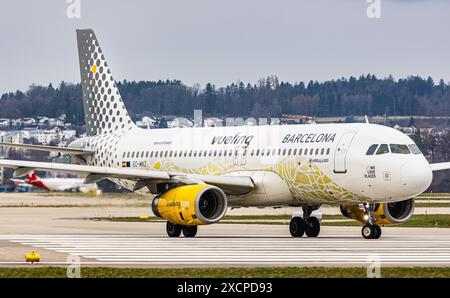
(340,154)
(240,155)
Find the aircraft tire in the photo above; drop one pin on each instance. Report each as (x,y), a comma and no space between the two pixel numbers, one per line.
(173,230)
(312,227)
(377,231)
(189,231)
(297,227)
(371,231)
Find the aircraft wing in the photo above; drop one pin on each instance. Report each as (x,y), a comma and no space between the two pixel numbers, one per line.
(230,184)
(440,166)
(63,150)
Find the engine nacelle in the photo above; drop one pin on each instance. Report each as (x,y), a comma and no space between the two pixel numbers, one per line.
(385,213)
(195,204)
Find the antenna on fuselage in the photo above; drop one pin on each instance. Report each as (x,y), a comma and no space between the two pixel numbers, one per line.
(367,119)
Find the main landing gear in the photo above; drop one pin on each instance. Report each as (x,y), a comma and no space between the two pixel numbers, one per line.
(174,230)
(370,230)
(308,225)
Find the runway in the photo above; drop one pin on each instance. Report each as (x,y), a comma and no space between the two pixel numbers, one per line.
(59,228)
(147,251)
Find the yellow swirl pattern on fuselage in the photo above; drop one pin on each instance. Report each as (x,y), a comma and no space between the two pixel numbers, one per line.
(306,181)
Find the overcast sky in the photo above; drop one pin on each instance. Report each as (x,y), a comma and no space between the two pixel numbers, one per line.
(222,41)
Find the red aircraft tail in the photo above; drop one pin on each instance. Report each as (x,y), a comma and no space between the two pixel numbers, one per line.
(34,180)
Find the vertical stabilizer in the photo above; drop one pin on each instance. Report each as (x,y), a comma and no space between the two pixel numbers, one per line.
(104,109)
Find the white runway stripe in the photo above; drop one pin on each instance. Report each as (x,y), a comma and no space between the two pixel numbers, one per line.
(124,249)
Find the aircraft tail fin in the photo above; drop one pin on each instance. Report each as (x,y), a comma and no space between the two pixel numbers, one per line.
(32,178)
(104,109)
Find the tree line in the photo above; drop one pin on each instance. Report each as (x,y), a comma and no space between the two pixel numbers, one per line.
(366,95)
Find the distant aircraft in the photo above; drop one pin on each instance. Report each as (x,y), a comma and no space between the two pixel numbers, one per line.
(55,184)
(372,171)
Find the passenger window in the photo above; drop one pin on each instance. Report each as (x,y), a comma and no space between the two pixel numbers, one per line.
(132,154)
(146,154)
(322,151)
(383,149)
(268,152)
(328,151)
(317,151)
(257,152)
(284,152)
(295,152)
(156,153)
(414,149)
(399,149)
(166,153)
(372,149)
(123,156)
(289,152)
(300,151)
(274,151)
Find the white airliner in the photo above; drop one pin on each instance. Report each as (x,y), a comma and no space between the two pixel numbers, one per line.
(56,184)
(373,172)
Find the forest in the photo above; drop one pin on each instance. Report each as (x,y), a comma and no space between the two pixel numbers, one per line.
(269,97)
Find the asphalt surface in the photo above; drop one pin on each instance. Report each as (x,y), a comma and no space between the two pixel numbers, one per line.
(57,232)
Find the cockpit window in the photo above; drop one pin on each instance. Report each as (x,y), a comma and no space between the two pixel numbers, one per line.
(400,149)
(372,149)
(414,149)
(383,149)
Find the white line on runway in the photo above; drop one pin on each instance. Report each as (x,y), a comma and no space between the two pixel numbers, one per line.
(254,251)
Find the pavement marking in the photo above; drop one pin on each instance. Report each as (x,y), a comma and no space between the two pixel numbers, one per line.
(242,250)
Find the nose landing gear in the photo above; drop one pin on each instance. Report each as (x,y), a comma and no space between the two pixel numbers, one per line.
(308,224)
(370,230)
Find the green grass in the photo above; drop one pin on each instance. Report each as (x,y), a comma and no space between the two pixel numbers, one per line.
(416,221)
(427,195)
(270,272)
(227,217)
(433,205)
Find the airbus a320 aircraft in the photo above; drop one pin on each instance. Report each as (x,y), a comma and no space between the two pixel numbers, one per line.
(373,172)
(56,184)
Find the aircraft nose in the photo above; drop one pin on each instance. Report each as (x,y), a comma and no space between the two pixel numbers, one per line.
(416,176)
